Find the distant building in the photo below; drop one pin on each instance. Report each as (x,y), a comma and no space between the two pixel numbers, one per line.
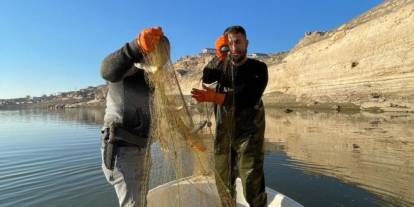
(320,33)
(257,55)
(208,51)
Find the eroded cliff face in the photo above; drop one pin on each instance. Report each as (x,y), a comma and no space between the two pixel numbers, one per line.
(368,62)
(190,70)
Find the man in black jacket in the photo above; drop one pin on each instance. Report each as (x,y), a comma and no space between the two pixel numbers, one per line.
(240,117)
(127,117)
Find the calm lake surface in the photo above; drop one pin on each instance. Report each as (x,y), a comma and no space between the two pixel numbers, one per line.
(52,158)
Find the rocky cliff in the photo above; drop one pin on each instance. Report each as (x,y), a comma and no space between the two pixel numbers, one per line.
(367,62)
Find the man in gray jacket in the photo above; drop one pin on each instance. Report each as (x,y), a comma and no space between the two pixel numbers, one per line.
(127,118)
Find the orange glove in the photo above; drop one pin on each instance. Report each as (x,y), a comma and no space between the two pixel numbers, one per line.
(208,95)
(222,47)
(149,38)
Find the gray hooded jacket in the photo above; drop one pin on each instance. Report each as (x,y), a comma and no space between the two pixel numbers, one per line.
(128,98)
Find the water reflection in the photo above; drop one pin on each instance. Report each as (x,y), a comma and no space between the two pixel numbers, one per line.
(80,115)
(48,157)
(51,158)
(372,151)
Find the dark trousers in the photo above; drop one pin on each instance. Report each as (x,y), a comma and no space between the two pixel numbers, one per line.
(239,153)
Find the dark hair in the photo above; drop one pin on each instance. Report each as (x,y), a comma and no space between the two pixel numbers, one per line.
(235,30)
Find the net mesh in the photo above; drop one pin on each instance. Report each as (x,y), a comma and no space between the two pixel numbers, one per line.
(180,162)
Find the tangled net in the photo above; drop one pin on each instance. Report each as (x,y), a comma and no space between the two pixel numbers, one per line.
(179,162)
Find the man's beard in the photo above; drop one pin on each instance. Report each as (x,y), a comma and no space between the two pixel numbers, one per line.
(238,59)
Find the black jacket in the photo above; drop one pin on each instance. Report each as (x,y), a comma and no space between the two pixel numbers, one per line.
(243,112)
(246,85)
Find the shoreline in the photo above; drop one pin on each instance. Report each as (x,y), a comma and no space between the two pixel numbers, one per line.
(287,106)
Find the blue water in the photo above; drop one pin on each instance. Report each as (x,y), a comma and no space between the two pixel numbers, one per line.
(52,158)
(48,160)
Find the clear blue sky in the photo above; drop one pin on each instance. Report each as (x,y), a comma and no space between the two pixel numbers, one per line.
(49,46)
